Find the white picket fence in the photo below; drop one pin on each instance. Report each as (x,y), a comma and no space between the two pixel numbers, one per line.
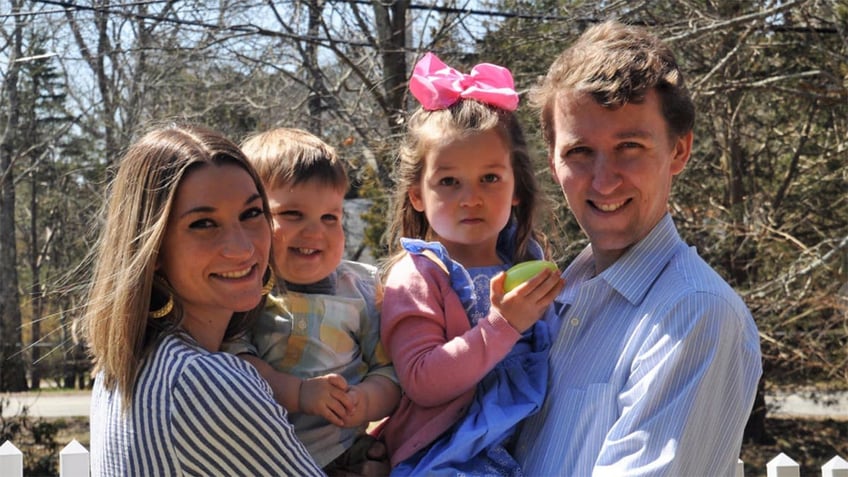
(73,462)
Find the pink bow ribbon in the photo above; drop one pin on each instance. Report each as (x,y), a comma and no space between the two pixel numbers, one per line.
(437,86)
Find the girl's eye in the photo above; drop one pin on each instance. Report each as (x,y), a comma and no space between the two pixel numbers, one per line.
(202,224)
(330,218)
(447,181)
(252,213)
(490,178)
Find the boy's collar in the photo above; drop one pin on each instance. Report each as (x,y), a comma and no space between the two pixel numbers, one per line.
(325,286)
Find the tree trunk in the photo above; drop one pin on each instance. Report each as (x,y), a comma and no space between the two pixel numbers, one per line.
(12,369)
(315,102)
(37,298)
(391,29)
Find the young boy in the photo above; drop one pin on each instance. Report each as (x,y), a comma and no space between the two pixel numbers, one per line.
(318,341)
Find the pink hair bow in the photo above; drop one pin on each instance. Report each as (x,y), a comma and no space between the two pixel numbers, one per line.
(438,86)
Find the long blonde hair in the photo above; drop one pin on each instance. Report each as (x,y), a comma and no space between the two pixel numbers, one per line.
(115,324)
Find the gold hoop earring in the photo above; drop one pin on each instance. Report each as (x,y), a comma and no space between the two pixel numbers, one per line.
(269,285)
(161,312)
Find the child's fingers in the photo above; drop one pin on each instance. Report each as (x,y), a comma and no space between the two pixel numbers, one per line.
(546,292)
(347,402)
(552,283)
(333,411)
(556,288)
(352,396)
(340,404)
(496,286)
(337,380)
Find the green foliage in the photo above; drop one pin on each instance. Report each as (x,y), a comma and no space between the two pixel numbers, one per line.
(377,215)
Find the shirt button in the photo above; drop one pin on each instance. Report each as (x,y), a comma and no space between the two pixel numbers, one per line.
(575,321)
(301,325)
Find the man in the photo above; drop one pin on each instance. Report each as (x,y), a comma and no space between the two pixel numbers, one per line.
(656,360)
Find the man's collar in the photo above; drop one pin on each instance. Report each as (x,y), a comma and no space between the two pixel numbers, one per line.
(634,272)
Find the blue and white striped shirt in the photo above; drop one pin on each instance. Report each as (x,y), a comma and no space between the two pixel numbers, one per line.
(194,413)
(653,372)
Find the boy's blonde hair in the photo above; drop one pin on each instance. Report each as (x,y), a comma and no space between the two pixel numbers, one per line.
(290,156)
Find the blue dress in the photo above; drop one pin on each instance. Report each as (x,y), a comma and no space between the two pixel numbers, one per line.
(513,390)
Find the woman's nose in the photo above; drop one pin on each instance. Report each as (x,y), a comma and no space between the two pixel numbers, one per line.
(239,243)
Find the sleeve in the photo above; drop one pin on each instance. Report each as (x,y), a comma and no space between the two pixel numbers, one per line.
(373,352)
(226,422)
(690,393)
(436,356)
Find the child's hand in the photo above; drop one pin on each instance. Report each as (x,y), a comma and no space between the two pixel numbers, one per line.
(357,415)
(326,396)
(525,304)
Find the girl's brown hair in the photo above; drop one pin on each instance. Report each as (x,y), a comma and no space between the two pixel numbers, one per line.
(466,118)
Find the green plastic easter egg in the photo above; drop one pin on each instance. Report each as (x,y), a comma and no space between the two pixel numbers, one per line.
(524,271)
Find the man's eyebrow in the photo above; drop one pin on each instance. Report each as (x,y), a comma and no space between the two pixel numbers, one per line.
(634,133)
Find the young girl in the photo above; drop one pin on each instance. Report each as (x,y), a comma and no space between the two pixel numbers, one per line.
(470,358)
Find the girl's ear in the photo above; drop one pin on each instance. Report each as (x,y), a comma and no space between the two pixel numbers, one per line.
(415,198)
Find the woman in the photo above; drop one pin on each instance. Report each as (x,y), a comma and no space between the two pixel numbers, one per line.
(179,268)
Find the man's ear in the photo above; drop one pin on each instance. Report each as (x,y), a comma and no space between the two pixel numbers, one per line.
(681,152)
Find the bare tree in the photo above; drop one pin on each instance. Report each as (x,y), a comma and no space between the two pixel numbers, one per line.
(12,371)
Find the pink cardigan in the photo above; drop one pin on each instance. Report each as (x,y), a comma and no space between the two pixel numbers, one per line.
(438,357)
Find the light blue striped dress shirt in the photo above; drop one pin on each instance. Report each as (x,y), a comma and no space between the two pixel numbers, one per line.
(194,413)
(653,372)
